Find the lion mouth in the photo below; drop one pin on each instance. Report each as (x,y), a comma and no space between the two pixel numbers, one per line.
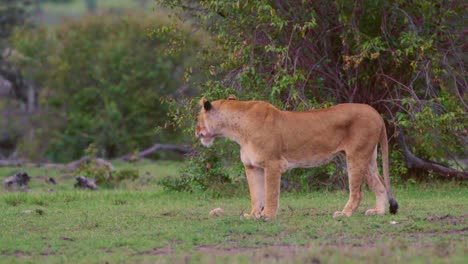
(207,140)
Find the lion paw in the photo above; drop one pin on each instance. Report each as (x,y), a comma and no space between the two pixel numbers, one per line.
(375,212)
(246,216)
(264,217)
(340,214)
(250,216)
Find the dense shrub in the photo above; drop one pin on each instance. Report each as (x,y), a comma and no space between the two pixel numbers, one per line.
(404,59)
(102,82)
(210,172)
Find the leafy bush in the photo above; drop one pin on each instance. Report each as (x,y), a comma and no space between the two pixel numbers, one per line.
(210,173)
(103,79)
(104,175)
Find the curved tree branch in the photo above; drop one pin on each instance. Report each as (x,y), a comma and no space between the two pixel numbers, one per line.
(418,163)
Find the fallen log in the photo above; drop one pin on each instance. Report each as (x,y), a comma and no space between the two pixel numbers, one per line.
(73,165)
(157,147)
(415,162)
(11,163)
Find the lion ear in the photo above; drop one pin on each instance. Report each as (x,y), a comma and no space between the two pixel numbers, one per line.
(232,97)
(205,104)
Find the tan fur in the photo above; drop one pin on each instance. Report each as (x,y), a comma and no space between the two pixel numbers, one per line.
(273,141)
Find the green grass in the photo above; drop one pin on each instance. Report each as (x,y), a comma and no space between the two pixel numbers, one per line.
(140,222)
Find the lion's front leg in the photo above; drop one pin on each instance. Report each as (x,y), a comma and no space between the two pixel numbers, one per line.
(256,181)
(272,189)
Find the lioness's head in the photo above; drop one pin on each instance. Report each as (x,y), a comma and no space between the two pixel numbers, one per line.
(206,129)
(210,121)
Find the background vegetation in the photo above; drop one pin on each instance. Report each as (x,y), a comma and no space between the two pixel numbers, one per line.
(105,78)
(100,80)
(111,80)
(406,60)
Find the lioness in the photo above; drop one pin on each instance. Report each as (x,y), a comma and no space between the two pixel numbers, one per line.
(273,141)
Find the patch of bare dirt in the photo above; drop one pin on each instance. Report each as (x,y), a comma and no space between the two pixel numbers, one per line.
(268,252)
(449,219)
(280,252)
(461,231)
(156,251)
(274,252)
(221,251)
(16,253)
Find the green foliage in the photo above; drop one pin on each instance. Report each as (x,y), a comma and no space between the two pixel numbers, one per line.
(208,172)
(12,14)
(331,176)
(103,176)
(103,82)
(403,59)
(434,126)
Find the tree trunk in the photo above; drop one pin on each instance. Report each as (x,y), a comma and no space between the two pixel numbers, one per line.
(37,7)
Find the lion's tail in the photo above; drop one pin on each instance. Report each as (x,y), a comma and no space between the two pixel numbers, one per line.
(384,149)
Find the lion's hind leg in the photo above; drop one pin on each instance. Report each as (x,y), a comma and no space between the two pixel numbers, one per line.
(376,185)
(356,177)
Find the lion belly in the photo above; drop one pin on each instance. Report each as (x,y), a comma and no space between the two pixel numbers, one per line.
(309,163)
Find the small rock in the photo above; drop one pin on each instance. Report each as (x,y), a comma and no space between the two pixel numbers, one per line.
(217,212)
(27,211)
(393,222)
(85,183)
(39,211)
(51,180)
(17,181)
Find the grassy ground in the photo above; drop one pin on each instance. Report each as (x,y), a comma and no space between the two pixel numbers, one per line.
(140,222)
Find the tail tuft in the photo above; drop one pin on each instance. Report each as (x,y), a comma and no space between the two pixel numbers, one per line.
(393,206)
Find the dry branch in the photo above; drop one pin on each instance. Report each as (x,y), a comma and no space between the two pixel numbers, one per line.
(68,166)
(101,162)
(11,163)
(157,147)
